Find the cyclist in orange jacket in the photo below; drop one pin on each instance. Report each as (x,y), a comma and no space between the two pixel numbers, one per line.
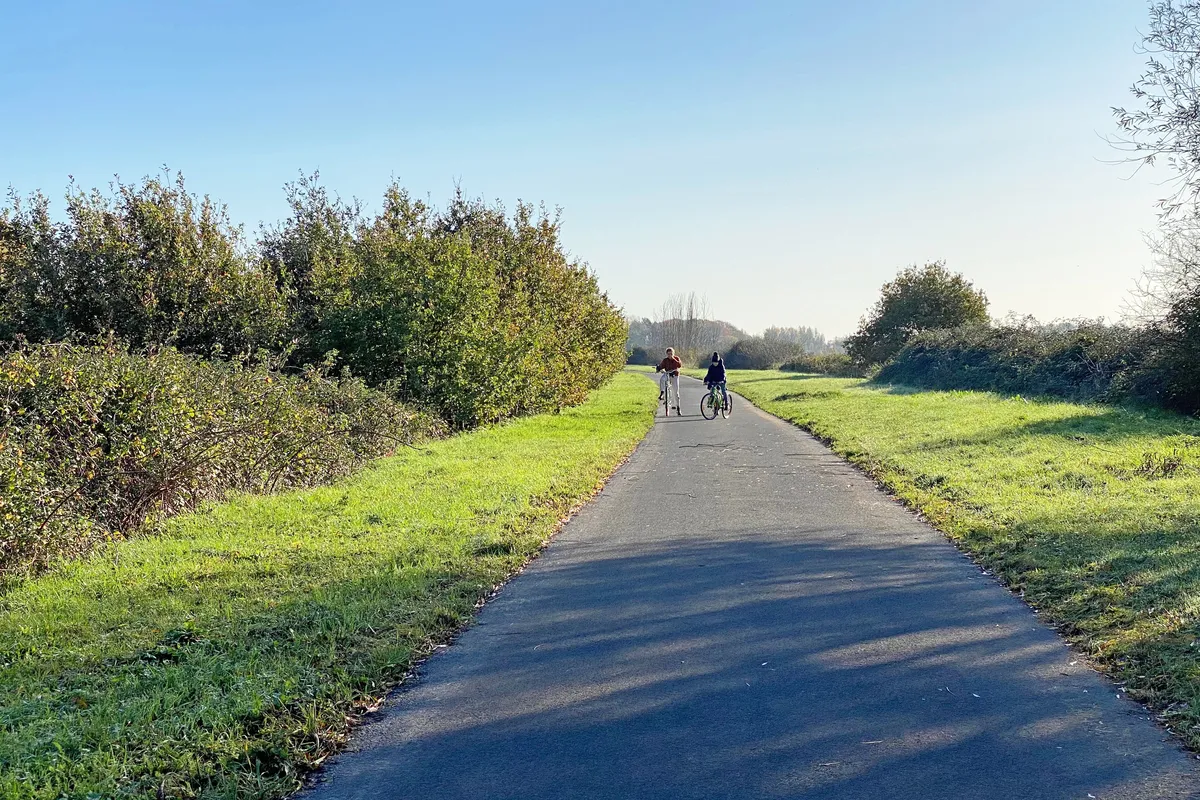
(670,367)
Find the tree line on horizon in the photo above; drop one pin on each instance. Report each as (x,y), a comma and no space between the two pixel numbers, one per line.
(685,323)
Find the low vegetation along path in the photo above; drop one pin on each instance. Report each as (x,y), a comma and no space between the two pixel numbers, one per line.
(741,614)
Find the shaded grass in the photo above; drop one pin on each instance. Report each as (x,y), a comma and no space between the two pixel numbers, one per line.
(231,653)
(1091,512)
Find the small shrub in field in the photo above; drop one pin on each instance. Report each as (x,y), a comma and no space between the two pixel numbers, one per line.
(838,365)
(1172,362)
(640,356)
(757,352)
(96,440)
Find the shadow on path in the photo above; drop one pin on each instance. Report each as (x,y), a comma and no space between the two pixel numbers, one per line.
(773,628)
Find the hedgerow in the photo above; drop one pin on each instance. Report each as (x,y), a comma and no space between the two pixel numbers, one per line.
(474,312)
(470,313)
(97,440)
(148,261)
(1088,361)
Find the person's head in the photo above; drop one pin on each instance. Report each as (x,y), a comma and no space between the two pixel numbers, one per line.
(716,357)
(670,351)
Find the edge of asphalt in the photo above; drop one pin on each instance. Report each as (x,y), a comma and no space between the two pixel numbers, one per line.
(412,677)
(411,680)
(915,512)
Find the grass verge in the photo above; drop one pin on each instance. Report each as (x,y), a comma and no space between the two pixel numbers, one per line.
(231,653)
(1091,512)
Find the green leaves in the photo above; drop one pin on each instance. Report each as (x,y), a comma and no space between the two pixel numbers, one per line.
(96,440)
(918,299)
(471,312)
(1085,361)
(475,313)
(149,262)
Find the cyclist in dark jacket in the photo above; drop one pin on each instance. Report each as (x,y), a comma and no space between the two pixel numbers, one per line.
(716,376)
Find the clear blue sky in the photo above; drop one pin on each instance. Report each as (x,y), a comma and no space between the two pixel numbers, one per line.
(784,158)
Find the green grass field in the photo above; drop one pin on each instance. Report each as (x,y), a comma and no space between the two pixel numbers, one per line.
(1091,512)
(229,654)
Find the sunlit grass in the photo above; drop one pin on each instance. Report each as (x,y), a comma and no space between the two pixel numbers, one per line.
(1091,512)
(227,655)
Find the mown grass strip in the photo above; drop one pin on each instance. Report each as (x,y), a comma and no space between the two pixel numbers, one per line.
(232,652)
(1091,512)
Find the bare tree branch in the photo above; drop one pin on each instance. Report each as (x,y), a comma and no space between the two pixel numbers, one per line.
(1167,126)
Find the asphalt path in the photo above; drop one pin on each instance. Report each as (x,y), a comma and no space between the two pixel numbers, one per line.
(740,614)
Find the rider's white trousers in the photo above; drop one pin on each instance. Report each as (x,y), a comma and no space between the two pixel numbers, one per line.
(662,385)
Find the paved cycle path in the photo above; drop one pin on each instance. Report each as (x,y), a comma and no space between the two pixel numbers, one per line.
(740,614)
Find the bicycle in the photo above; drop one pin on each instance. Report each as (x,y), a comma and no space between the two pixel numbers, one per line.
(667,393)
(716,400)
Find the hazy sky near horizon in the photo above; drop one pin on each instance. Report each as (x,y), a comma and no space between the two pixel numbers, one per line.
(783,158)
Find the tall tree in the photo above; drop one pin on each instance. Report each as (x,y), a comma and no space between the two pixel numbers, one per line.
(683,322)
(918,299)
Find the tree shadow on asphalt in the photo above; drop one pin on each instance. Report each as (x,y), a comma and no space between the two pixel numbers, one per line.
(827,666)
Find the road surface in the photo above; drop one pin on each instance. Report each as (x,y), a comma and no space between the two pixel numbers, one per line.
(740,614)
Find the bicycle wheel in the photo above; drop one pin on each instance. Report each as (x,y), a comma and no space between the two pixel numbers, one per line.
(708,406)
(727,407)
(667,399)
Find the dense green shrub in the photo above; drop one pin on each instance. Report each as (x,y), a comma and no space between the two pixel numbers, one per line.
(757,352)
(96,440)
(1083,361)
(470,312)
(1171,366)
(640,356)
(838,365)
(150,262)
(918,299)
(473,312)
